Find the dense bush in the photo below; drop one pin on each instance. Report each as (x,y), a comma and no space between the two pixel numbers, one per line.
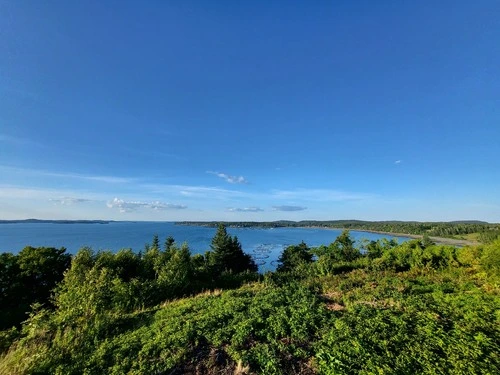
(389,309)
(28,278)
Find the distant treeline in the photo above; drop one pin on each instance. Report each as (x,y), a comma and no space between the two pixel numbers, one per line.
(487,232)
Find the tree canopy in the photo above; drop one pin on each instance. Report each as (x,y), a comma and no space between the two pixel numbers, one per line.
(227,254)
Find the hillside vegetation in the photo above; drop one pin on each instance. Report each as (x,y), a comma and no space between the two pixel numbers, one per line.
(388,308)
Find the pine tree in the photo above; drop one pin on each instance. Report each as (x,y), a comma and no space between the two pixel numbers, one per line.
(227,254)
(156,242)
(169,242)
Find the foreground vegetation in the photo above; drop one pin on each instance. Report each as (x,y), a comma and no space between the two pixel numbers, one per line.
(389,309)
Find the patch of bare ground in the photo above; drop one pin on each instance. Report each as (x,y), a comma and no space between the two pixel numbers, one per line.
(209,360)
(331,301)
(335,307)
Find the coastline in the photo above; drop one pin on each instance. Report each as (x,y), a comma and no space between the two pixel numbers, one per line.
(437,240)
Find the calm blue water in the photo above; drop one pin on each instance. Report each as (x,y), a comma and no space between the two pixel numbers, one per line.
(264,244)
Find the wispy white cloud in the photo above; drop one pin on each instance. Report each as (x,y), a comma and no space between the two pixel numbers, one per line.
(289,208)
(229,178)
(66,201)
(129,206)
(194,191)
(398,162)
(245,209)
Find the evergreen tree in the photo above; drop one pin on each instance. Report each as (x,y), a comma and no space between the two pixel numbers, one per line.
(227,254)
(156,242)
(168,243)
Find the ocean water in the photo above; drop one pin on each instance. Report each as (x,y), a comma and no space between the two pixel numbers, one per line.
(265,245)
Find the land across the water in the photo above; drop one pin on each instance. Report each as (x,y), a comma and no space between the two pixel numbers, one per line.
(455,233)
(438,240)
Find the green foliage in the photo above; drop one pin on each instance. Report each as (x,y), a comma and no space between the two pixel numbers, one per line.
(27,278)
(428,323)
(341,250)
(227,254)
(294,256)
(262,327)
(375,249)
(489,235)
(342,256)
(396,309)
(168,243)
(490,257)
(424,336)
(412,254)
(156,242)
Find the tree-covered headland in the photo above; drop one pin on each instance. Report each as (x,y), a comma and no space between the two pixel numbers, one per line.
(377,307)
(460,230)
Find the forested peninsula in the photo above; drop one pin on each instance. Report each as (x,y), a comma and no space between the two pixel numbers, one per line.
(466,232)
(378,307)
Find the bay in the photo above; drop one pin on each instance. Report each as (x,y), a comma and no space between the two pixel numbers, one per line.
(265,245)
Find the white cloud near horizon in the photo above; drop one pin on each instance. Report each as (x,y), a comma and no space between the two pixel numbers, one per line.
(66,201)
(289,208)
(129,206)
(245,209)
(229,178)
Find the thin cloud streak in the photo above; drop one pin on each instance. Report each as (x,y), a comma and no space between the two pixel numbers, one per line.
(245,209)
(67,201)
(289,208)
(130,206)
(229,178)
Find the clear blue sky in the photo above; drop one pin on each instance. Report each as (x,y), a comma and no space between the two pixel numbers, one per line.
(208,110)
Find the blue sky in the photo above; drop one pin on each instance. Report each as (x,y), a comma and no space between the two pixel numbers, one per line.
(256,110)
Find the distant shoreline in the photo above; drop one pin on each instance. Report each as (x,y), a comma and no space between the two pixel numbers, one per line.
(438,240)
